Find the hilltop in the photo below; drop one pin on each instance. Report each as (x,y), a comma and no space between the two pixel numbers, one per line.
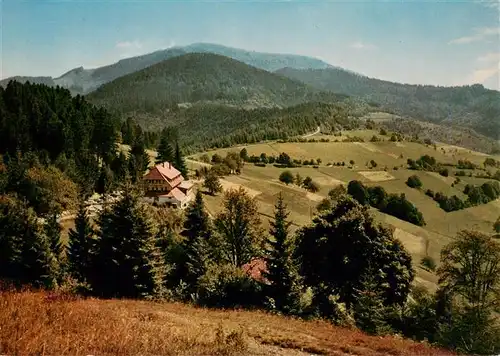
(203,77)
(473,106)
(83,81)
(58,325)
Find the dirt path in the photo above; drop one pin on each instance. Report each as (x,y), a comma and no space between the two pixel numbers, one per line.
(312,133)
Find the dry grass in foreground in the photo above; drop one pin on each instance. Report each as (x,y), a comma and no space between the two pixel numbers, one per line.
(48,324)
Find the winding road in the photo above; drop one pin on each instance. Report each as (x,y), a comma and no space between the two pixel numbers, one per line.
(312,133)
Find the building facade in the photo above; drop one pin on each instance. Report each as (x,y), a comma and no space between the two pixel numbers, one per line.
(164,184)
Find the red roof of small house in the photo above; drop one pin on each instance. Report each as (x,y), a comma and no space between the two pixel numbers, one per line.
(164,171)
(175,194)
(255,269)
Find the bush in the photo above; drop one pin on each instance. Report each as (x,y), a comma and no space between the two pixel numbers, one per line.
(226,286)
(286,177)
(444,172)
(429,193)
(428,263)
(414,182)
(260,164)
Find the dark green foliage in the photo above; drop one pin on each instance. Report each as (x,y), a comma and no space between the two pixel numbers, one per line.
(53,233)
(25,254)
(496,226)
(50,122)
(469,273)
(414,182)
(128,261)
(244,154)
(81,247)
(197,232)
(286,177)
(179,162)
(239,228)
(477,195)
(165,150)
(444,172)
(392,204)
(332,256)
(428,263)
(358,191)
(212,182)
(281,271)
(400,207)
(449,203)
(228,286)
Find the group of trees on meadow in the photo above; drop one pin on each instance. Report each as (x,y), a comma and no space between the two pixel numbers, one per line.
(392,204)
(307,183)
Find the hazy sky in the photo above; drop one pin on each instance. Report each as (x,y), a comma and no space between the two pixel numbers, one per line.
(442,43)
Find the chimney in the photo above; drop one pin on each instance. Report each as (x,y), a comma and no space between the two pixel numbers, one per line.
(163,164)
(169,165)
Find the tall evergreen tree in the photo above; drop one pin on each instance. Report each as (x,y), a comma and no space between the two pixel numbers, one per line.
(197,234)
(81,246)
(165,151)
(25,255)
(281,271)
(128,260)
(53,233)
(179,162)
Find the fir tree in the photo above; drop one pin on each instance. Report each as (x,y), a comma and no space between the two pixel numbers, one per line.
(197,233)
(281,272)
(165,151)
(53,233)
(128,260)
(25,255)
(179,161)
(81,246)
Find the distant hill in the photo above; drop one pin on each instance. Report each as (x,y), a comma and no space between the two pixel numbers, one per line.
(203,78)
(473,106)
(82,81)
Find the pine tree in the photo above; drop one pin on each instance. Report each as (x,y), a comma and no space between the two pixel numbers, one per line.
(165,151)
(179,161)
(53,233)
(128,261)
(81,246)
(197,234)
(25,255)
(281,271)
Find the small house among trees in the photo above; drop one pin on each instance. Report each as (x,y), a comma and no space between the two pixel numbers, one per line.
(164,184)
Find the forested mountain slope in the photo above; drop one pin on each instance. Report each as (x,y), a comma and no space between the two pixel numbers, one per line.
(83,81)
(473,106)
(203,77)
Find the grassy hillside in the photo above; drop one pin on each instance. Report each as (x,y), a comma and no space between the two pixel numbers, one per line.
(83,81)
(474,106)
(42,323)
(441,227)
(203,77)
(205,126)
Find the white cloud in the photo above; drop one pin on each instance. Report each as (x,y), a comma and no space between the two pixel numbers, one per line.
(362,46)
(492,4)
(489,57)
(480,34)
(129,44)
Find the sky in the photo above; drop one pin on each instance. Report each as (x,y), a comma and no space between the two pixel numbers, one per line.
(419,42)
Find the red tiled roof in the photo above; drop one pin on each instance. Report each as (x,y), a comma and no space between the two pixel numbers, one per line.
(168,170)
(255,269)
(176,194)
(186,184)
(165,171)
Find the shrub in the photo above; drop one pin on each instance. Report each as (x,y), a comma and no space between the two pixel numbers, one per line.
(373,163)
(444,172)
(286,177)
(428,263)
(383,132)
(260,164)
(414,182)
(429,193)
(228,286)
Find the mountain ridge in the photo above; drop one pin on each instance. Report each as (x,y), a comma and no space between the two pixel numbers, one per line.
(83,81)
